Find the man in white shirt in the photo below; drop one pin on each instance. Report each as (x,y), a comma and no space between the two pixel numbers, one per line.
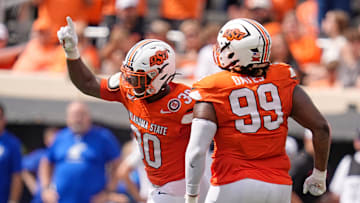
(345,185)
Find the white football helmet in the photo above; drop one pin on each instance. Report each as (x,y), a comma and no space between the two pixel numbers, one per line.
(148,66)
(241,42)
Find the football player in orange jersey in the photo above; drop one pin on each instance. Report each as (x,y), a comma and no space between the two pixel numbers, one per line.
(160,111)
(245,108)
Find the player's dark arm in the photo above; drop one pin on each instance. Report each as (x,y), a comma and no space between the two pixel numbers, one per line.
(306,114)
(83,78)
(205,110)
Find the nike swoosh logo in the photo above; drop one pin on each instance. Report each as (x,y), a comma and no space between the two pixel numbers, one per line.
(192,166)
(162,193)
(164,112)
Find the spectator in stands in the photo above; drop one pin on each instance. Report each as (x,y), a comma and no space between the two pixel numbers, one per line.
(130,19)
(133,162)
(301,167)
(177,11)
(306,13)
(282,7)
(262,11)
(329,79)
(109,13)
(349,65)
(333,26)
(74,169)
(4,35)
(54,12)
(205,64)
(87,49)
(31,163)
(187,58)
(280,52)
(121,12)
(113,53)
(42,53)
(141,6)
(345,185)
(158,29)
(8,54)
(302,45)
(327,5)
(94,11)
(10,163)
(291,147)
(236,9)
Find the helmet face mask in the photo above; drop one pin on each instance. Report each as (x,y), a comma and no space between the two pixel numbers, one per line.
(240,43)
(137,82)
(147,68)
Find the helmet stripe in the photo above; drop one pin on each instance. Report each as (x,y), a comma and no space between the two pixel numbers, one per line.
(265,36)
(134,49)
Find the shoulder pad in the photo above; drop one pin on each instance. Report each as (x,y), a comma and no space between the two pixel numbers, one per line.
(292,72)
(114,82)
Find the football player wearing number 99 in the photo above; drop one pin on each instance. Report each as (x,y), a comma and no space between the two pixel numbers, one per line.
(245,108)
(160,111)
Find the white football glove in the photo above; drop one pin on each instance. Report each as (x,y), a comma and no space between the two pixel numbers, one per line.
(69,40)
(315,183)
(191,199)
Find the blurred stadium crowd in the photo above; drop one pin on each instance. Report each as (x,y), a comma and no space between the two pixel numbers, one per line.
(319,38)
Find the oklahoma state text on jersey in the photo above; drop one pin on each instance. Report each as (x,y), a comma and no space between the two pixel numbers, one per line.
(162,128)
(252,117)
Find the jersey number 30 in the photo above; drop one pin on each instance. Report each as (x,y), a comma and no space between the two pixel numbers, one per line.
(273,104)
(152,159)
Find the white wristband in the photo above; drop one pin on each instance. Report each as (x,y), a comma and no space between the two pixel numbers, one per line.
(191,199)
(73,54)
(192,189)
(319,174)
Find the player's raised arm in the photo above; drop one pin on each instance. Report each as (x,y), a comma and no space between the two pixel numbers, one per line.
(79,74)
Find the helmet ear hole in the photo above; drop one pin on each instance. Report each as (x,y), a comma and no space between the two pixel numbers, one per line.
(148,79)
(231,55)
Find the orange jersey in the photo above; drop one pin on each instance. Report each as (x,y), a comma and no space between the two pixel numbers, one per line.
(162,128)
(39,57)
(252,117)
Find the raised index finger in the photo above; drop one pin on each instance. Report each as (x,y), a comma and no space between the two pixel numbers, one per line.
(70,23)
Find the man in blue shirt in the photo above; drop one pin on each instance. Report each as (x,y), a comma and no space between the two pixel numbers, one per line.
(10,164)
(31,162)
(74,169)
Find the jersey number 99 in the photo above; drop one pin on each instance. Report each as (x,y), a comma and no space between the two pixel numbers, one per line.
(273,104)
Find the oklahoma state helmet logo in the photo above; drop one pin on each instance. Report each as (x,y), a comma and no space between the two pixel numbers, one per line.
(232,34)
(159,58)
